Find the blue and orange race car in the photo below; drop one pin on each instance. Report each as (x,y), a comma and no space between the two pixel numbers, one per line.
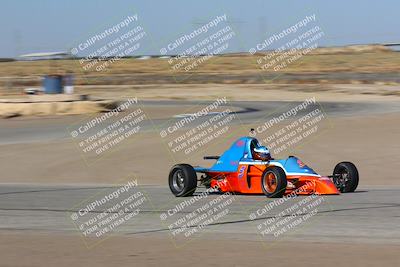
(248,168)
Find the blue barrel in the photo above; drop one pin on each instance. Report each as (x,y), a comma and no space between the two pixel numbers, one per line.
(52,84)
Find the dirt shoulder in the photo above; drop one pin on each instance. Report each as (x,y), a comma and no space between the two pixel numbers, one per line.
(366,141)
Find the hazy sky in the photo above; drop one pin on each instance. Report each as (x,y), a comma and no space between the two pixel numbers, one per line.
(56,25)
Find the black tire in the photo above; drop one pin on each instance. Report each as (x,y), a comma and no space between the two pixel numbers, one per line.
(280,182)
(182,180)
(345,177)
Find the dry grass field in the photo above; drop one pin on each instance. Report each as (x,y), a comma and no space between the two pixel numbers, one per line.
(328,66)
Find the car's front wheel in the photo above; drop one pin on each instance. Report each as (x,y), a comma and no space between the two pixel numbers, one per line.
(345,177)
(182,180)
(273,182)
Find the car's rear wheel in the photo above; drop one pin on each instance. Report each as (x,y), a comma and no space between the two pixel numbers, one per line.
(273,182)
(182,180)
(345,177)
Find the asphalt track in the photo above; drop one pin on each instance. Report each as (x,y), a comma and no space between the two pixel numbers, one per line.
(53,129)
(370,215)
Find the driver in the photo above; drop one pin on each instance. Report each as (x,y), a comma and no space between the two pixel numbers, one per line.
(261,153)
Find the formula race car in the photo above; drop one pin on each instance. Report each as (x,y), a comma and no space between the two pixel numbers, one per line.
(248,168)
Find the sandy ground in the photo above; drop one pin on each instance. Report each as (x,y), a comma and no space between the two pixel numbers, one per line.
(51,249)
(261,92)
(367,141)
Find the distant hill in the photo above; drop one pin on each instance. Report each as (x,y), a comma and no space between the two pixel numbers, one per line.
(6,59)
